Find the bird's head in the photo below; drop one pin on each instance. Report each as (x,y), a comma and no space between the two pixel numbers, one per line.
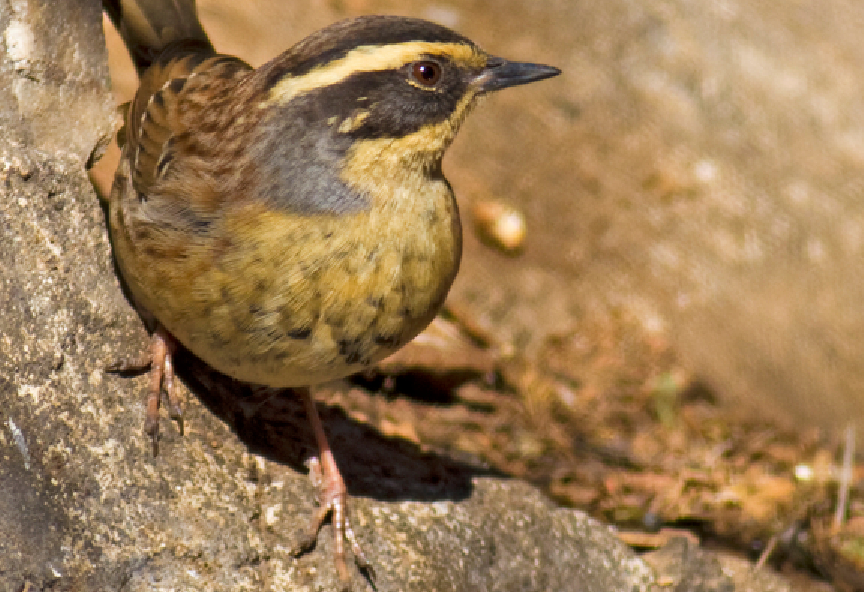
(385,92)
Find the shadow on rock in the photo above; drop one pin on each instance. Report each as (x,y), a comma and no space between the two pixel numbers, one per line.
(273,423)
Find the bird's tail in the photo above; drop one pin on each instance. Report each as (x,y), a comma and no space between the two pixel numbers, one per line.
(148,26)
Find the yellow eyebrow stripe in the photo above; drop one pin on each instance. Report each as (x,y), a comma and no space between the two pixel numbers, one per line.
(371,58)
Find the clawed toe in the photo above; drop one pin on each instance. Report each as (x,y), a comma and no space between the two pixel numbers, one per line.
(333,499)
(160,362)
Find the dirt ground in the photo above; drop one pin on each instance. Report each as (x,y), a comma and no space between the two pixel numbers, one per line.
(588,401)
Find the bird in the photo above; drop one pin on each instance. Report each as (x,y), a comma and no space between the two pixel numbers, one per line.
(291,224)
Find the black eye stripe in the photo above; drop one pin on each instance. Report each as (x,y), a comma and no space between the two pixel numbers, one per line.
(394,103)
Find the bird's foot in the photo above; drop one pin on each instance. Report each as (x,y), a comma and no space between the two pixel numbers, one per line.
(160,361)
(333,500)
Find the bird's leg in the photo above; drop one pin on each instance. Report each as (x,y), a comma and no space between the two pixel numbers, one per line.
(162,348)
(333,498)
(160,361)
(175,408)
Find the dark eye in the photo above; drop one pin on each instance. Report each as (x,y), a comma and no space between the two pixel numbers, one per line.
(426,73)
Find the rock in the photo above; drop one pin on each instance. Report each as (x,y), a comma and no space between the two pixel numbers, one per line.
(692,568)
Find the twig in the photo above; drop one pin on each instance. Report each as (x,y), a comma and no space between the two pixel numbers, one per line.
(845,477)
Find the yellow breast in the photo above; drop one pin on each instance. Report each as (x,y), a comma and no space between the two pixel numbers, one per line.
(288,300)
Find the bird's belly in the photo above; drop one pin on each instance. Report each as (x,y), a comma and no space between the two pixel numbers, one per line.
(305,302)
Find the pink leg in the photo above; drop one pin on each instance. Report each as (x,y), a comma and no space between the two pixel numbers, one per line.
(161,363)
(333,498)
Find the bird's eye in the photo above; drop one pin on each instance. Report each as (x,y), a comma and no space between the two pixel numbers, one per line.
(426,73)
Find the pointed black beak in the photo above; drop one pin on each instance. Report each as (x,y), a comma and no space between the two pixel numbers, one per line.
(500,73)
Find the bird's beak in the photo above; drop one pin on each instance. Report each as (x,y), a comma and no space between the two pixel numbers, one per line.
(500,73)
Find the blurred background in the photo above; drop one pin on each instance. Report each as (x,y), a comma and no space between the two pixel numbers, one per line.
(660,312)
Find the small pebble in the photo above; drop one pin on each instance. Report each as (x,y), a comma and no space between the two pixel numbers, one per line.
(500,225)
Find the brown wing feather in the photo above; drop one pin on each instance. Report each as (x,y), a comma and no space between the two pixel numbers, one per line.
(168,127)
